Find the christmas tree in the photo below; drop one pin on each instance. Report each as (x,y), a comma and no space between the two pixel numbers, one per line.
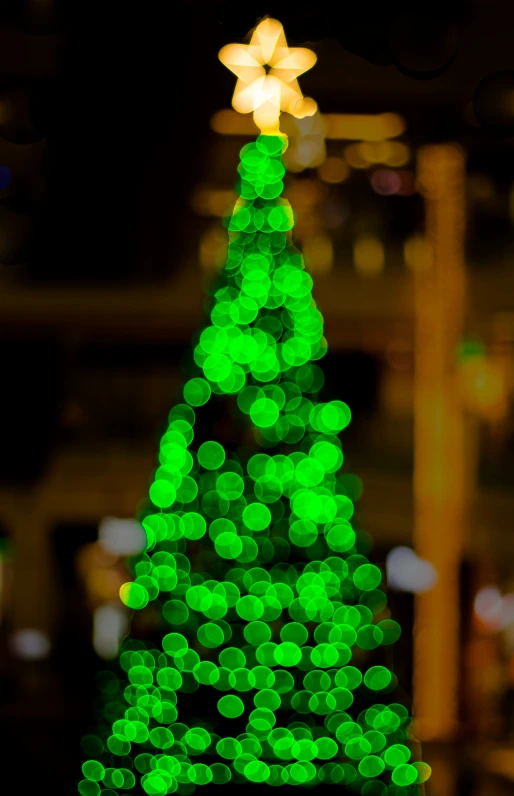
(268,670)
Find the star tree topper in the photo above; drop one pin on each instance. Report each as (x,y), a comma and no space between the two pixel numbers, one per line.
(269,93)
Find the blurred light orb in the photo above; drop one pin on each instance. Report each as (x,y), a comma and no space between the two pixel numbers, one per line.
(386,182)
(30,644)
(488,605)
(121,537)
(333,170)
(407,572)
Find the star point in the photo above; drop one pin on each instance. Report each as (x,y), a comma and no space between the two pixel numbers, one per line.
(267,94)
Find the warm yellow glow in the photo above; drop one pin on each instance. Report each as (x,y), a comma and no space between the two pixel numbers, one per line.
(374,151)
(211,202)
(354,157)
(306,144)
(230,122)
(368,255)
(364,127)
(397,154)
(444,455)
(213,248)
(333,170)
(319,253)
(267,94)
(391,153)
(417,252)
(484,388)
(304,194)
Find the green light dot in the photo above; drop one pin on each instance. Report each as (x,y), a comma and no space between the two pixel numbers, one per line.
(397,755)
(210,635)
(231,706)
(133,595)
(257,516)
(404,775)
(371,766)
(377,677)
(211,455)
(367,577)
(93,770)
(295,632)
(257,633)
(288,654)
(228,545)
(162,493)
(197,392)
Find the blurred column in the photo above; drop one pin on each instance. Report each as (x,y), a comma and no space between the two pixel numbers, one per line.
(440,446)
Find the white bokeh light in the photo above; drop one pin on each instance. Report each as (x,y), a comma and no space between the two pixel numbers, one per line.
(30,644)
(407,572)
(121,537)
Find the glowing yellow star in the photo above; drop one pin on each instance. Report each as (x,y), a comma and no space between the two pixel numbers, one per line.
(266,94)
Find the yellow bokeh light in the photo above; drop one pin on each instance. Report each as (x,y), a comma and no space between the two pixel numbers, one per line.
(354,157)
(364,127)
(333,170)
(319,253)
(212,202)
(368,255)
(266,94)
(483,387)
(213,248)
(417,252)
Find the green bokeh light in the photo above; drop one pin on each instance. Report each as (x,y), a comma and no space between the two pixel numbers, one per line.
(270,615)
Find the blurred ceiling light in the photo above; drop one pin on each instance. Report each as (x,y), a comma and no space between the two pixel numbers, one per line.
(354,157)
(337,126)
(110,624)
(319,253)
(368,255)
(397,154)
(333,170)
(363,127)
(375,151)
(266,94)
(307,142)
(407,572)
(417,252)
(211,202)
(30,644)
(121,537)
(386,182)
(308,153)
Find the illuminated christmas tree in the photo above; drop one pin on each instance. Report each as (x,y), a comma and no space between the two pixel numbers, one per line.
(264,673)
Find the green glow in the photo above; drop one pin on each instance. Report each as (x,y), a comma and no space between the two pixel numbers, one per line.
(252,565)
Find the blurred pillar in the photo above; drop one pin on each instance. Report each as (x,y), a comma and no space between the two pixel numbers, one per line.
(440,445)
